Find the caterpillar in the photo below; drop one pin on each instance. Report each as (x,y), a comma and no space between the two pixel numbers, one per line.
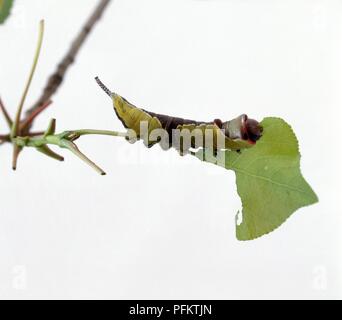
(236,134)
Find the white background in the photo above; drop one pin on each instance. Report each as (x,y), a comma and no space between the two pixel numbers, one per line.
(159,226)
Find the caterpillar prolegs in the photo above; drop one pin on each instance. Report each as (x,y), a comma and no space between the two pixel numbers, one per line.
(182,134)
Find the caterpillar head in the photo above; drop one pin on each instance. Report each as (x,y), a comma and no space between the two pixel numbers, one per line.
(241,128)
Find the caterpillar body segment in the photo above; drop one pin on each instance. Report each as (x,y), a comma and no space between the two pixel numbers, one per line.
(132,117)
(236,134)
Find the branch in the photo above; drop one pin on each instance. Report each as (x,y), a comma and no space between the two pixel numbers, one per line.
(15,130)
(16,123)
(6,114)
(57,77)
(64,140)
(25,124)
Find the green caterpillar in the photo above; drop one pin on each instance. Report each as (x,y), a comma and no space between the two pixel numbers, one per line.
(235,134)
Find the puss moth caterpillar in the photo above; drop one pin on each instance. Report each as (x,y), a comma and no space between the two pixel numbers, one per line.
(235,134)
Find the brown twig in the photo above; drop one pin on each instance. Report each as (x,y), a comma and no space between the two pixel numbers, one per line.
(26,123)
(6,114)
(36,134)
(57,77)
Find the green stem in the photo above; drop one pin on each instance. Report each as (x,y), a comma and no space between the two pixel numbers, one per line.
(84,132)
(15,126)
(64,140)
(55,139)
(74,149)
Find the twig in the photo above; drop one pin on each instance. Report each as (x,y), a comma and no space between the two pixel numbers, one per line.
(64,140)
(15,127)
(74,149)
(36,134)
(84,132)
(20,135)
(25,124)
(57,77)
(15,130)
(6,114)
(7,137)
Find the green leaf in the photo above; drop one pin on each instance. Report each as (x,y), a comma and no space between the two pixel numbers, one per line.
(269,180)
(5,8)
